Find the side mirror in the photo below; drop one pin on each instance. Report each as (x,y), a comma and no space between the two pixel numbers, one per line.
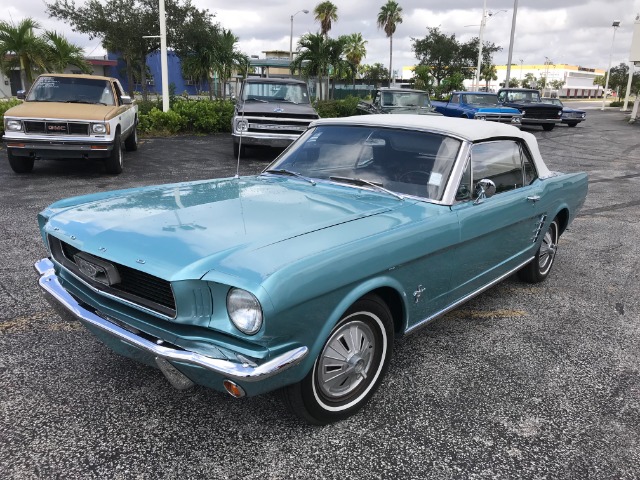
(126,100)
(485,188)
(21,94)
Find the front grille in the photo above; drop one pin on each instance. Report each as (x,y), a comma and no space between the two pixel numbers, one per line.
(56,128)
(502,118)
(284,115)
(541,113)
(134,286)
(286,126)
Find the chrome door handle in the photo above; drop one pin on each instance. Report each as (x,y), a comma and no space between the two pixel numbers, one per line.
(533,198)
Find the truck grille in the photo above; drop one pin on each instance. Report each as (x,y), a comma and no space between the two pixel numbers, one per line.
(134,286)
(502,118)
(56,128)
(541,113)
(285,126)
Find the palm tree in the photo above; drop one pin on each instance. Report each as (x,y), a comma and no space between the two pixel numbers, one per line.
(488,73)
(61,53)
(325,13)
(355,50)
(23,48)
(390,15)
(312,58)
(226,57)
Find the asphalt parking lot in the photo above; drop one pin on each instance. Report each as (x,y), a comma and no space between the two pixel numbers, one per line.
(524,381)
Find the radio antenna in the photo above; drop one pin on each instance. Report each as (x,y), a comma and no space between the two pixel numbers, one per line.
(246,74)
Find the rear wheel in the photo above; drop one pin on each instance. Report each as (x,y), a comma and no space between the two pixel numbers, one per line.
(547,127)
(20,164)
(350,367)
(538,269)
(131,143)
(113,163)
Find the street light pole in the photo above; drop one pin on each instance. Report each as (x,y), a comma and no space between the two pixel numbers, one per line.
(513,32)
(291,36)
(615,25)
(483,22)
(164,69)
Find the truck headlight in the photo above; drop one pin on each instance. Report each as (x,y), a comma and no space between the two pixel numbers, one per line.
(481,117)
(99,128)
(560,113)
(242,125)
(244,310)
(13,125)
(515,120)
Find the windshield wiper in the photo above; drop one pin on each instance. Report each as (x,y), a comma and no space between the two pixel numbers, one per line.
(256,99)
(361,182)
(85,101)
(282,171)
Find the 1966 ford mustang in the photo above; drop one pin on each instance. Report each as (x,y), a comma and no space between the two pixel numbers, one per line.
(299,278)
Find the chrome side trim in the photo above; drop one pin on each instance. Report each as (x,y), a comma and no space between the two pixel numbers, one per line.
(237,371)
(445,310)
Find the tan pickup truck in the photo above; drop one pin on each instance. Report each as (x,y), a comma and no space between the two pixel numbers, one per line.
(71,116)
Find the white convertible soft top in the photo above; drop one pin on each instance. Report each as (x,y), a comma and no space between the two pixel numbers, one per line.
(471,130)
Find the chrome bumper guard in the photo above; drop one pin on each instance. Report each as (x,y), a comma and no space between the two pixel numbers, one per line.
(59,297)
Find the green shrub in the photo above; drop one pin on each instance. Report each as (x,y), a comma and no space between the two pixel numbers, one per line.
(616,103)
(145,106)
(206,116)
(337,108)
(4,106)
(161,122)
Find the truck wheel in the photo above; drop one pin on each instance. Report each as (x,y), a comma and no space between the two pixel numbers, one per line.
(548,127)
(131,143)
(20,164)
(113,164)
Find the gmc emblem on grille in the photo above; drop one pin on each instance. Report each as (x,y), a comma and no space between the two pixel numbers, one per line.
(57,128)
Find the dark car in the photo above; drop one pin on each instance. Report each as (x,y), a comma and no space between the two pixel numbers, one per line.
(570,116)
(534,111)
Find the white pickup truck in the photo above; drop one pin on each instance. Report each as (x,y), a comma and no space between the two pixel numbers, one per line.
(71,116)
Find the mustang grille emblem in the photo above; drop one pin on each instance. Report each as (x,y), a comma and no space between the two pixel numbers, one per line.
(96,269)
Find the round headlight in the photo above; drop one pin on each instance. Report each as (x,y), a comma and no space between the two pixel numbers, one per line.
(480,117)
(560,113)
(242,126)
(244,311)
(515,120)
(523,113)
(98,128)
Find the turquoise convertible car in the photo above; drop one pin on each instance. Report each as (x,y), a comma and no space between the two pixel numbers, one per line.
(299,279)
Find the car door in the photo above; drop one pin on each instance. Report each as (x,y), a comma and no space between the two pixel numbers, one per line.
(127,113)
(497,233)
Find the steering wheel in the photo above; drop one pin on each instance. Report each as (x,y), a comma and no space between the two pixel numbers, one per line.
(418,177)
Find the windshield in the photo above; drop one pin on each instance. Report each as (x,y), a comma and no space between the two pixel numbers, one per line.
(275,92)
(523,97)
(552,101)
(405,99)
(475,99)
(71,90)
(402,161)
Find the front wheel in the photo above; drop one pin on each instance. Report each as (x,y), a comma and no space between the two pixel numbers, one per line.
(113,163)
(538,269)
(350,367)
(572,124)
(20,164)
(547,127)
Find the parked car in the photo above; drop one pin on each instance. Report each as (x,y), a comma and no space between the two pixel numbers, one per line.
(570,116)
(478,106)
(398,100)
(71,116)
(534,111)
(270,112)
(365,229)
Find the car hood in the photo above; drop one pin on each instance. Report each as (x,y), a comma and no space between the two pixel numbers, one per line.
(496,109)
(410,110)
(183,231)
(66,111)
(276,108)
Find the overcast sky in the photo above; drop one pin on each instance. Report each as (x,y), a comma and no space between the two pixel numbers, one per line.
(576,32)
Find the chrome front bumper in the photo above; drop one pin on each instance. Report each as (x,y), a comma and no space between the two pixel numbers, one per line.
(67,306)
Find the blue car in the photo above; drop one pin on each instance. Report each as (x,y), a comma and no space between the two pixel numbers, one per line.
(478,106)
(570,116)
(300,278)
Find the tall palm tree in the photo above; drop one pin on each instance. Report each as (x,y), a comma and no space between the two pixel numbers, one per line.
(354,51)
(325,13)
(61,53)
(312,58)
(389,17)
(226,57)
(23,48)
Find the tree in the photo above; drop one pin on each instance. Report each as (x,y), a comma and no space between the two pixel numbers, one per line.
(121,24)
(226,57)
(312,58)
(529,81)
(374,73)
(422,78)
(556,84)
(355,50)
(488,73)
(61,53)
(19,46)
(514,83)
(389,17)
(619,77)
(437,51)
(325,13)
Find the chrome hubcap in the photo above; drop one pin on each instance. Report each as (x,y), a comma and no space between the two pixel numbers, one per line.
(548,249)
(346,359)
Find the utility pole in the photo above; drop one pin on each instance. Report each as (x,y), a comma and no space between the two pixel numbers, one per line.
(513,31)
